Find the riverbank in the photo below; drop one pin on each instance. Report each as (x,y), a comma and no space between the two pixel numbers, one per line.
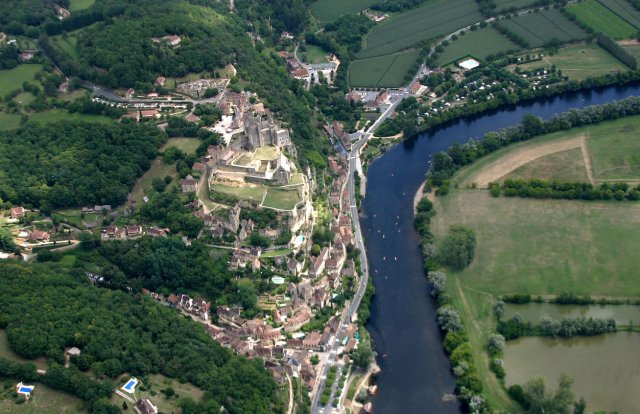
(534,247)
(402,323)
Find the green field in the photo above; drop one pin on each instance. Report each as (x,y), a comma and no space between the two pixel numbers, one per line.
(9,121)
(143,186)
(281,199)
(330,10)
(186,145)
(517,4)
(12,79)
(382,71)
(479,44)
(545,26)
(154,384)
(53,115)
(580,62)
(563,166)
(634,50)
(80,4)
(248,192)
(313,54)
(615,150)
(43,400)
(623,9)
(25,98)
(542,247)
(546,246)
(612,150)
(433,19)
(601,19)
(67,44)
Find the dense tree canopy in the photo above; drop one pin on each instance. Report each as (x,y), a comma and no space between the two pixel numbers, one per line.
(44,310)
(74,163)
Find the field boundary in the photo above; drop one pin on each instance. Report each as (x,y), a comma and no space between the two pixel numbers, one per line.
(520,157)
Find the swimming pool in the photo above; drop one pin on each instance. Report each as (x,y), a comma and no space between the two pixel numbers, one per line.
(25,390)
(130,386)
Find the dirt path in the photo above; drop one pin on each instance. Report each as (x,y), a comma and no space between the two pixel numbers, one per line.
(515,159)
(587,159)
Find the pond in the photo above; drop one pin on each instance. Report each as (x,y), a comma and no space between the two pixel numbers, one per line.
(531,312)
(605,368)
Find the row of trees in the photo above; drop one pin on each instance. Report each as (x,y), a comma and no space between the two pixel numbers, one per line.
(537,188)
(566,327)
(44,309)
(457,347)
(617,51)
(446,163)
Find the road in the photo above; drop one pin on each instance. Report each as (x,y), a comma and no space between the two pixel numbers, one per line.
(352,306)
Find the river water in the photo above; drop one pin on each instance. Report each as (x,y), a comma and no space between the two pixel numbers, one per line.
(415,375)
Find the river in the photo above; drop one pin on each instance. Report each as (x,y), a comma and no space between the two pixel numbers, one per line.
(415,375)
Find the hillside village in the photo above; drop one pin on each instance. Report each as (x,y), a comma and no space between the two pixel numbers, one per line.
(312,278)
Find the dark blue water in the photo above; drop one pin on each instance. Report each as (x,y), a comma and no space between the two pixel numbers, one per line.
(415,372)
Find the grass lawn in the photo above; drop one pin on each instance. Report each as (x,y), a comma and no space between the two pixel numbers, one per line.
(330,10)
(546,246)
(281,199)
(276,253)
(266,153)
(68,217)
(67,44)
(382,71)
(43,400)
(248,191)
(6,352)
(53,115)
(158,383)
(80,4)
(9,121)
(12,79)
(432,19)
(297,178)
(479,44)
(25,98)
(314,54)
(580,62)
(187,145)
(615,150)
(542,27)
(567,166)
(143,187)
(601,19)
(612,149)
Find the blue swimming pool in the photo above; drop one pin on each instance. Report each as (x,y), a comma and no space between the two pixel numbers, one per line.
(25,390)
(129,386)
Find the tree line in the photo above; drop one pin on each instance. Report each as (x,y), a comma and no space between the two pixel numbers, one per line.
(566,327)
(445,164)
(617,51)
(538,188)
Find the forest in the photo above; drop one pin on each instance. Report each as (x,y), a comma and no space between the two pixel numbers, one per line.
(44,309)
(69,164)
